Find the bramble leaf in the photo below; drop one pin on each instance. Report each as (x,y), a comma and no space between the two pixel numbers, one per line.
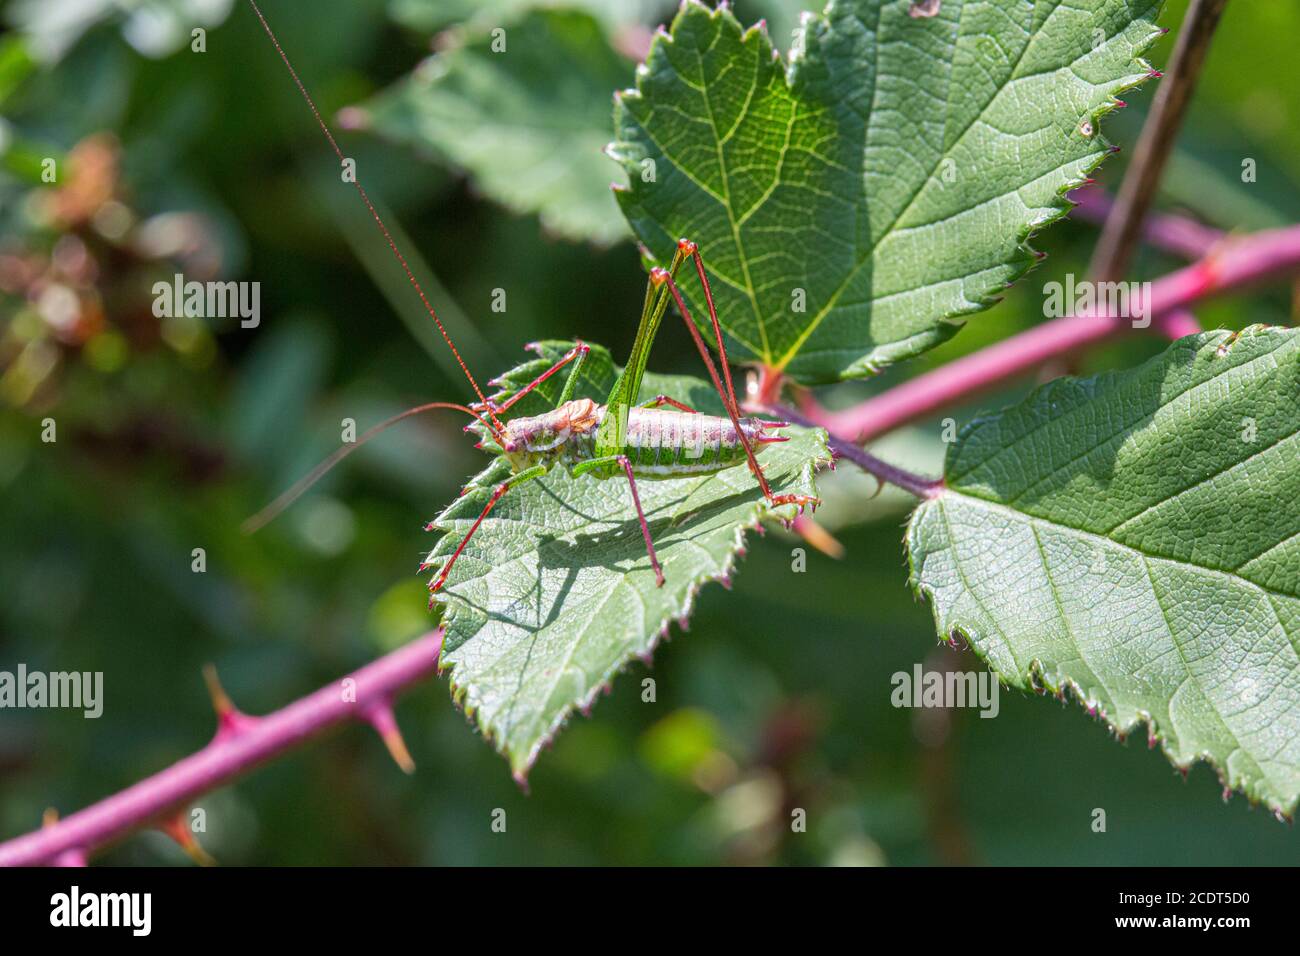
(528,120)
(853,204)
(554,594)
(1135,537)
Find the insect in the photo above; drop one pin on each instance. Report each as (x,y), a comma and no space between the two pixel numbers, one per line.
(619,439)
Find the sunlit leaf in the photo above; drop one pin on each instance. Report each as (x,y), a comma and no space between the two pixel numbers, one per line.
(854,203)
(554,595)
(1135,537)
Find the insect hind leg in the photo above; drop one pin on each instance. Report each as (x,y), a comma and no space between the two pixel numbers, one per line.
(727,394)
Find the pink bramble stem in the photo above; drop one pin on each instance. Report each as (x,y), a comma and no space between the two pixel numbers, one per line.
(1235,264)
(239,746)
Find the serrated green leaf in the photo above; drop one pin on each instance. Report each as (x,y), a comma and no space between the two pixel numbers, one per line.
(1136,537)
(887,181)
(554,594)
(528,123)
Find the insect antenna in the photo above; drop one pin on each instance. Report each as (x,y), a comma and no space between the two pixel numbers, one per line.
(290,495)
(388,237)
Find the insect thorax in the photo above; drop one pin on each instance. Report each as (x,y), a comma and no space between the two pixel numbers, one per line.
(566,433)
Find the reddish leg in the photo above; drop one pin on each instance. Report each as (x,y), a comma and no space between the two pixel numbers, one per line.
(497,494)
(694,252)
(581,349)
(601,466)
(727,395)
(640,516)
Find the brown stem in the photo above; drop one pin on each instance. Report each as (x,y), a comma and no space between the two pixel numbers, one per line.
(1123,227)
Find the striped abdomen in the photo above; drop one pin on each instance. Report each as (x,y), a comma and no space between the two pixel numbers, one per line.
(662,443)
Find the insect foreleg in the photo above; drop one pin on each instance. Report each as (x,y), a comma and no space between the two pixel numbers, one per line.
(528,474)
(579,352)
(601,465)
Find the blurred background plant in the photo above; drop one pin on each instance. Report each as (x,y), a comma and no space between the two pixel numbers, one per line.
(171,431)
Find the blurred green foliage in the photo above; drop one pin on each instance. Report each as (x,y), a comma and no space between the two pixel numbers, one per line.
(170,433)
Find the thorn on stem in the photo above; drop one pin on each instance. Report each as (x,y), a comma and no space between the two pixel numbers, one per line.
(177,827)
(230,719)
(818,537)
(380,716)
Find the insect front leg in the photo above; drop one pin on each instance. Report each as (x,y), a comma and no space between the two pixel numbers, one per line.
(601,465)
(578,353)
(528,474)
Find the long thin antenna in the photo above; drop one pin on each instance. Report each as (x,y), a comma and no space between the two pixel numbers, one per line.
(306,481)
(378,221)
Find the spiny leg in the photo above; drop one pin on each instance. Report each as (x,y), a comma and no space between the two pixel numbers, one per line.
(579,352)
(599,465)
(528,474)
(728,398)
(694,251)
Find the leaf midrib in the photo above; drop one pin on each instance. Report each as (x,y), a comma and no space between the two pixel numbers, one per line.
(944,152)
(719,140)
